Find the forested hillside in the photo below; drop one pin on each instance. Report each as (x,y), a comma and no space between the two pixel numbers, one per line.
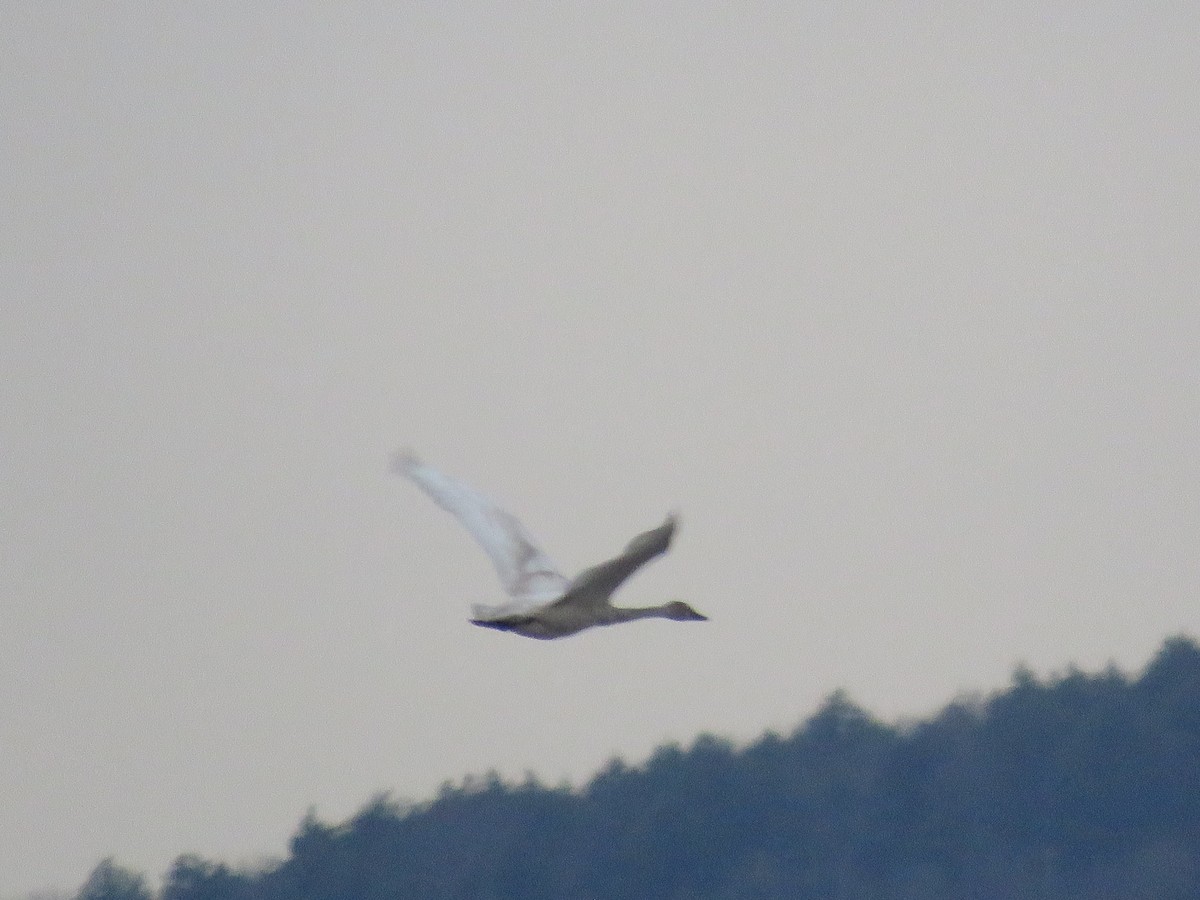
(1081,785)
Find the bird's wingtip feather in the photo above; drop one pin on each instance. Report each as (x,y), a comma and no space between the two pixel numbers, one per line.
(404,461)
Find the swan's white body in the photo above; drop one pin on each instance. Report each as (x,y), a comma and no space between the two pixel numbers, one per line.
(544,603)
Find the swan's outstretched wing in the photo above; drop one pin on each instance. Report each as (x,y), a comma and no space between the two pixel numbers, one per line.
(527,574)
(595,585)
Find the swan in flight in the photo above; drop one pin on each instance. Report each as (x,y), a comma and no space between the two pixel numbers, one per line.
(544,604)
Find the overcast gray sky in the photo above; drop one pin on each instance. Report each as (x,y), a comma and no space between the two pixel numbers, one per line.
(897,304)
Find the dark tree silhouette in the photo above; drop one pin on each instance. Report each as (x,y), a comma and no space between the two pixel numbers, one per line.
(110,881)
(1080,785)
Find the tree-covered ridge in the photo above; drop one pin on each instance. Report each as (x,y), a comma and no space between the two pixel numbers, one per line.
(1080,785)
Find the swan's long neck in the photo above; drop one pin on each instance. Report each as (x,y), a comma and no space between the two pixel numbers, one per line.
(630,613)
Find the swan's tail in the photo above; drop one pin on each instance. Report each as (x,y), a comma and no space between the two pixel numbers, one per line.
(485,613)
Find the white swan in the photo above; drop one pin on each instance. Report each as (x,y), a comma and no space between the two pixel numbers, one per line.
(544,603)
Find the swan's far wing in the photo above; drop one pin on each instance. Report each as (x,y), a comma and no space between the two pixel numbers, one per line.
(527,574)
(596,585)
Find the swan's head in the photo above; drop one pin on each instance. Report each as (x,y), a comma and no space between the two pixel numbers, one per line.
(681,612)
